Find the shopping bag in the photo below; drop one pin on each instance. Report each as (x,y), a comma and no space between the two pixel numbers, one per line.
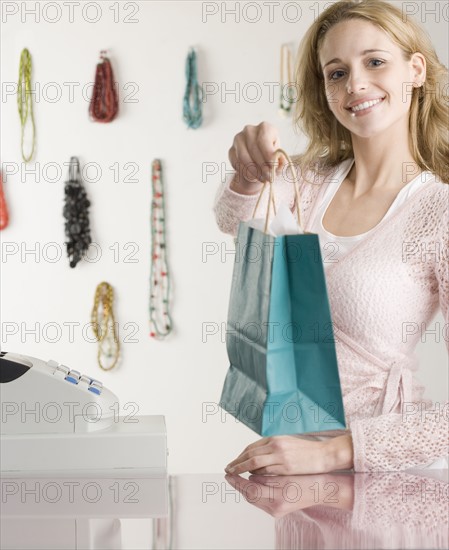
(283,376)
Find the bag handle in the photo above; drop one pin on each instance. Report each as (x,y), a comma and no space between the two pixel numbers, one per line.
(277,154)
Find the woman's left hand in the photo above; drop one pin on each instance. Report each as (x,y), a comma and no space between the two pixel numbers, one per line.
(289,455)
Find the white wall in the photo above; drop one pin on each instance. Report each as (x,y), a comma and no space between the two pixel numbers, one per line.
(178,376)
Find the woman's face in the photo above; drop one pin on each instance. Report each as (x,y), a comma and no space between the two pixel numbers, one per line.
(353,75)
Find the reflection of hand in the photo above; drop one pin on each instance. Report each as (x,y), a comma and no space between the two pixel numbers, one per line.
(282,495)
(289,455)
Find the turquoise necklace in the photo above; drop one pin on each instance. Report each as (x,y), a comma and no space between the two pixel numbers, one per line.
(192,115)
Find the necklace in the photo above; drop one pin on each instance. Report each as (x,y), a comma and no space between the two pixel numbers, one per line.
(192,115)
(160,321)
(76,213)
(285,103)
(104,327)
(25,105)
(4,217)
(104,103)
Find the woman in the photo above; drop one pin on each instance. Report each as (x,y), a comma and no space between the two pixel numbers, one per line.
(374,187)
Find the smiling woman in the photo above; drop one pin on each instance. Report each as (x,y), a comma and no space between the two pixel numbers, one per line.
(374,172)
(358,51)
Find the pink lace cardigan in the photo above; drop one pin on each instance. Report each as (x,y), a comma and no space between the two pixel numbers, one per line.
(399,274)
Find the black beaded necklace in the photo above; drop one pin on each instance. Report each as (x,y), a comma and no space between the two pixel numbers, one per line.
(76,213)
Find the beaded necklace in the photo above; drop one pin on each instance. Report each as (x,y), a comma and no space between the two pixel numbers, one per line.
(4,217)
(285,103)
(104,103)
(160,321)
(76,213)
(24,101)
(104,327)
(192,117)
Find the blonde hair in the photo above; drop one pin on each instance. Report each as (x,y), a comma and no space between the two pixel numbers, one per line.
(330,142)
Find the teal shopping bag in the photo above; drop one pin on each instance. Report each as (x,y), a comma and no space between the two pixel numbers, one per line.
(283,376)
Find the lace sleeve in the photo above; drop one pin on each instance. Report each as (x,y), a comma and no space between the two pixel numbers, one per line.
(442,267)
(231,208)
(395,442)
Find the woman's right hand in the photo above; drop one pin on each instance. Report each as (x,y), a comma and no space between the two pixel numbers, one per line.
(251,156)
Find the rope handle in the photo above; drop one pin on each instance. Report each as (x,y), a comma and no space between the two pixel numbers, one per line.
(271,200)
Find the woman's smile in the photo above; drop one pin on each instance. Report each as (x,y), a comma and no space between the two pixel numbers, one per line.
(365,108)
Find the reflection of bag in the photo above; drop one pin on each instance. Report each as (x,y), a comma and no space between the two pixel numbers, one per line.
(283,376)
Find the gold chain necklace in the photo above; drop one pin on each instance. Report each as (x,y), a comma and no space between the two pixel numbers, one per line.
(104,326)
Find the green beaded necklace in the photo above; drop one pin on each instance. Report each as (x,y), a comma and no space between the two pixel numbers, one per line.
(24,101)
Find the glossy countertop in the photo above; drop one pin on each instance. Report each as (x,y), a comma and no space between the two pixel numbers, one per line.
(141,509)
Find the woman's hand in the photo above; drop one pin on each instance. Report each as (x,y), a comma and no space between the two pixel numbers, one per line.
(289,455)
(252,155)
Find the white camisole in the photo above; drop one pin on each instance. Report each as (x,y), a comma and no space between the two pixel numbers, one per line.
(334,247)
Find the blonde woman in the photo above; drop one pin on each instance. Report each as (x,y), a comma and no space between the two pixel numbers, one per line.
(374,186)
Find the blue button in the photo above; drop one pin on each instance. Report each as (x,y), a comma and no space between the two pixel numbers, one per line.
(73,376)
(96,387)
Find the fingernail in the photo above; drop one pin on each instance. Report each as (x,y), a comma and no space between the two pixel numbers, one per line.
(229,469)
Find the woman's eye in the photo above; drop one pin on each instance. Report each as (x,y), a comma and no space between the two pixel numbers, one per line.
(331,76)
(337,74)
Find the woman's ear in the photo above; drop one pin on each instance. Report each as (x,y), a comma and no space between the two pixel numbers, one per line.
(418,64)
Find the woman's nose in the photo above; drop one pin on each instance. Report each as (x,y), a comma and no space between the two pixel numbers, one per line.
(355,83)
